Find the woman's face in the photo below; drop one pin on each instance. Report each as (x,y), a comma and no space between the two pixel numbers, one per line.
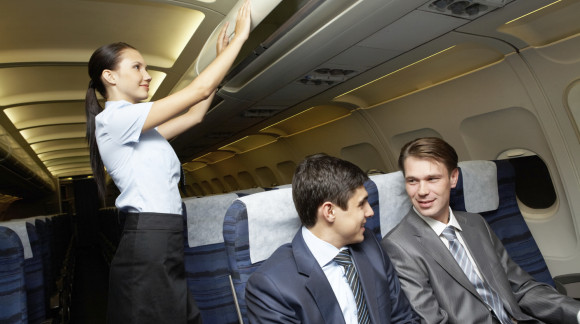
(130,78)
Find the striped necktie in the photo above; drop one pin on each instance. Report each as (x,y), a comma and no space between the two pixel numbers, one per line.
(344,259)
(489,296)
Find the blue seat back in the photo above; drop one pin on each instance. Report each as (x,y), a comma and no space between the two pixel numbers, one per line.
(206,264)
(12,279)
(33,268)
(276,209)
(256,225)
(45,250)
(389,200)
(502,214)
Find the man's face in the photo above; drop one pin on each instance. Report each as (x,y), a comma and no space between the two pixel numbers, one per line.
(428,184)
(349,224)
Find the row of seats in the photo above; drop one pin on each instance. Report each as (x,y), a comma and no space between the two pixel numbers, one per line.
(229,236)
(32,251)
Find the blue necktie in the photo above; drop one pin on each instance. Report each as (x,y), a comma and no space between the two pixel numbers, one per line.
(344,259)
(490,297)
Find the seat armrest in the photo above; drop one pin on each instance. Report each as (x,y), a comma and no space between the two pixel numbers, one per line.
(564,283)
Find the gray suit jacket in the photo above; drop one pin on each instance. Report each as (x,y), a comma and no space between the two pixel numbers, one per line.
(290,287)
(440,292)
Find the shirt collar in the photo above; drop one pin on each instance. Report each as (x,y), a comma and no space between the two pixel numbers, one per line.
(322,251)
(436,225)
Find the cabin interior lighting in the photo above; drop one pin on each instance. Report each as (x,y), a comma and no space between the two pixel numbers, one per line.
(186,32)
(193,165)
(533,12)
(546,25)
(308,119)
(8,199)
(214,157)
(396,71)
(249,143)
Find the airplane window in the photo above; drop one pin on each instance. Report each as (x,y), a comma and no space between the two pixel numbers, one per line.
(246,180)
(266,177)
(534,187)
(218,184)
(287,169)
(197,189)
(364,155)
(231,182)
(207,188)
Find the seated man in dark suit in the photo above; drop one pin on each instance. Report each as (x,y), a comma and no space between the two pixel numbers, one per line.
(451,265)
(310,279)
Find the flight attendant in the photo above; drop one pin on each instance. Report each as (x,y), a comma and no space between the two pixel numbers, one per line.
(147,277)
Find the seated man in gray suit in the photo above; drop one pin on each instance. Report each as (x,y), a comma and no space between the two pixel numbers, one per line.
(451,265)
(334,271)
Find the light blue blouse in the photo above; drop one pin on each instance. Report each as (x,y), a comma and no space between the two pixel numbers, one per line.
(144,166)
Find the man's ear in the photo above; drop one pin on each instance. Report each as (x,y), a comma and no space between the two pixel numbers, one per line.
(454,177)
(109,77)
(327,211)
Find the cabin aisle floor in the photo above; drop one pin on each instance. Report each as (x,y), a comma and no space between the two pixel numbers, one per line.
(90,288)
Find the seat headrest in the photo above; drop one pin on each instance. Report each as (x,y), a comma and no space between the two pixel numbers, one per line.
(272,221)
(19,227)
(480,190)
(393,200)
(205,218)
(249,191)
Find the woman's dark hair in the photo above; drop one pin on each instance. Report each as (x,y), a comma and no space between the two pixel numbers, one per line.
(104,58)
(321,178)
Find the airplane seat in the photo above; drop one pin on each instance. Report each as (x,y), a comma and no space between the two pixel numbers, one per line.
(373,223)
(41,230)
(50,282)
(255,226)
(392,202)
(62,237)
(288,185)
(12,278)
(245,192)
(488,188)
(34,278)
(205,258)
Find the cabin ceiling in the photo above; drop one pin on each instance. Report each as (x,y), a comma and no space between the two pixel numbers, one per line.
(46,45)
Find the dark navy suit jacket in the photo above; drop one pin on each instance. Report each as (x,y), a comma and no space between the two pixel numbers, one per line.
(290,287)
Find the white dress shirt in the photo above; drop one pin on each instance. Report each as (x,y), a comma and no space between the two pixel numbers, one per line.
(324,254)
(438,228)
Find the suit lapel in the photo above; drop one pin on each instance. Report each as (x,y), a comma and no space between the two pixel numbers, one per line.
(366,277)
(433,246)
(317,283)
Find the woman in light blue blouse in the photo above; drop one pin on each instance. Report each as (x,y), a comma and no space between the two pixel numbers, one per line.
(147,277)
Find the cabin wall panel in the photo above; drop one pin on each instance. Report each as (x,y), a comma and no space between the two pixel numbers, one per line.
(505,86)
(555,68)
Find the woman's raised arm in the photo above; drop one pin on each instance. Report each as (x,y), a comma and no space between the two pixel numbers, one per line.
(203,86)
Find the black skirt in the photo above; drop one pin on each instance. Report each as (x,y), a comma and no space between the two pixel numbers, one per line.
(147,281)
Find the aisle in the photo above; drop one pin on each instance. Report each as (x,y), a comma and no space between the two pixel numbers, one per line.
(89,297)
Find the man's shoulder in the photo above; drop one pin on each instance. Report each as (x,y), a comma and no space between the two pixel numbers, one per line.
(400,230)
(468,217)
(282,258)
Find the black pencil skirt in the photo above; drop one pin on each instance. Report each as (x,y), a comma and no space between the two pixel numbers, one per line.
(147,281)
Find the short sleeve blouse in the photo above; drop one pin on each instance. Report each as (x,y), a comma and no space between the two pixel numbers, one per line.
(144,166)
